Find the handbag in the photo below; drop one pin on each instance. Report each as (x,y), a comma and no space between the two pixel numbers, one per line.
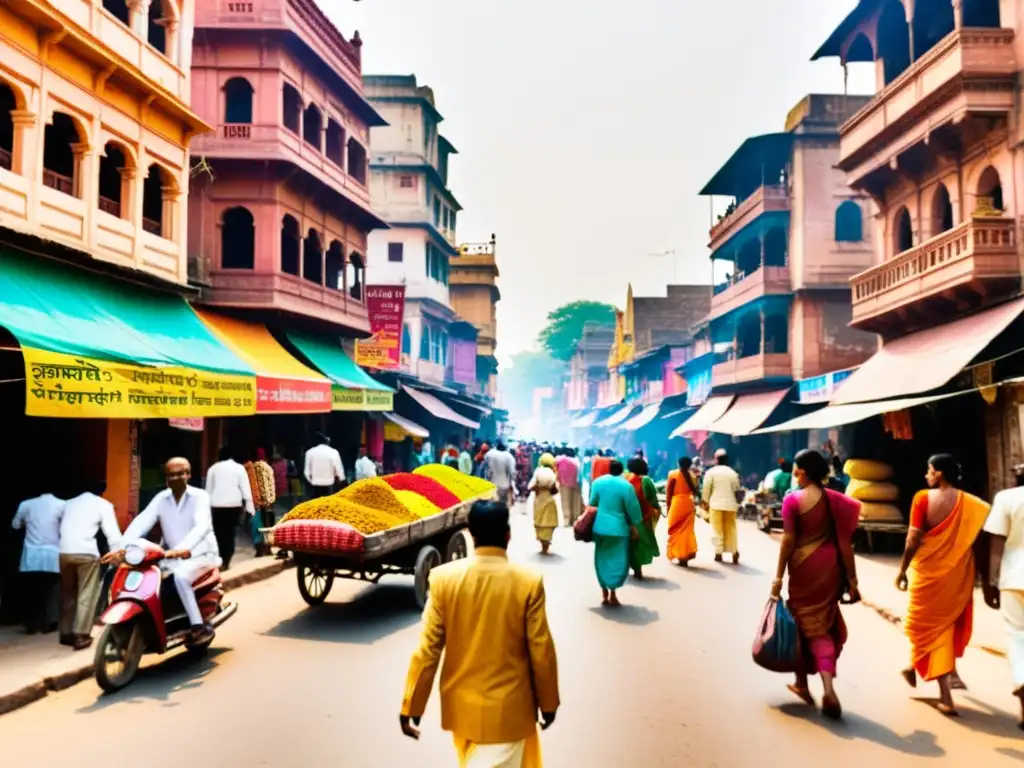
(777,644)
(583,528)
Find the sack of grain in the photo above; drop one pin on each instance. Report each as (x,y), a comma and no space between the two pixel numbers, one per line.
(865,490)
(866,469)
(874,512)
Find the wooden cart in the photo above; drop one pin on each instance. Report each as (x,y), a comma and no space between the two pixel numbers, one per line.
(413,549)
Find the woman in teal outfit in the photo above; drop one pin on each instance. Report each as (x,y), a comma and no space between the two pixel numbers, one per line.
(618,513)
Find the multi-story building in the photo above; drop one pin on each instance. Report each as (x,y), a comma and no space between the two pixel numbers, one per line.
(936,150)
(280,200)
(790,239)
(588,369)
(473,287)
(409,185)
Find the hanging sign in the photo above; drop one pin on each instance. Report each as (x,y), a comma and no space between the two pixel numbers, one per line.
(344,399)
(66,386)
(820,389)
(385,305)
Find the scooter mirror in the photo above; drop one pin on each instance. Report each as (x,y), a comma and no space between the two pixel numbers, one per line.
(134,555)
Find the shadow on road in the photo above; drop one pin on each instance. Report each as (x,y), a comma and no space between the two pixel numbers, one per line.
(654,582)
(635,615)
(550,558)
(990,720)
(159,682)
(856,727)
(711,573)
(1010,752)
(376,612)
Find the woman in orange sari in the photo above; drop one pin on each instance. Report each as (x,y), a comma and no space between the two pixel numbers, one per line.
(680,492)
(939,556)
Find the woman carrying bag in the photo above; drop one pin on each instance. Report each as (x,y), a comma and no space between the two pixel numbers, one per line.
(817,551)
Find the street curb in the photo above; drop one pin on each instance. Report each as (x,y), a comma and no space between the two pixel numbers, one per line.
(37,690)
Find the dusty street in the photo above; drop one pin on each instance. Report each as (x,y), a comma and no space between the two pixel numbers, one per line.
(666,681)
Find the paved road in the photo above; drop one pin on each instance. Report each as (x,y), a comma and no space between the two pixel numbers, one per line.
(666,681)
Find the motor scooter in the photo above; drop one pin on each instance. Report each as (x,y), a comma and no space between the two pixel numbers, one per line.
(145,615)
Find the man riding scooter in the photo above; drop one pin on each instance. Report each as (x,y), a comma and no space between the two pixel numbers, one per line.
(186,520)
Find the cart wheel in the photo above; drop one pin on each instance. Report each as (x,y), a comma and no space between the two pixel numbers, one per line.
(426,561)
(314,583)
(458,547)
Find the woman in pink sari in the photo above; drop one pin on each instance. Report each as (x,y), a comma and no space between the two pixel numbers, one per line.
(818,526)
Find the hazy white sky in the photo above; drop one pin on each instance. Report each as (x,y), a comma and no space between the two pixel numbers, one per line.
(587,127)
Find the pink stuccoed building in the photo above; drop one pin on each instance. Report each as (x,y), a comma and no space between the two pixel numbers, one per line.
(279,202)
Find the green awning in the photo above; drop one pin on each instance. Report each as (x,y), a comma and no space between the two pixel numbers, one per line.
(59,308)
(328,356)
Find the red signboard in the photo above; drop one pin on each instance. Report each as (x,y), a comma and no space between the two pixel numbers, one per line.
(275,395)
(385,305)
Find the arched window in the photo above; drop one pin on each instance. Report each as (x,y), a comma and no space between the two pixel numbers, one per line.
(157,33)
(237,239)
(313,258)
(903,232)
(356,161)
(237,101)
(312,126)
(849,223)
(334,269)
(292,106)
(112,182)
(60,164)
(942,210)
(893,41)
(118,9)
(335,149)
(933,20)
(990,193)
(981,13)
(357,276)
(8,103)
(406,340)
(153,219)
(290,245)
(775,246)
(425,343)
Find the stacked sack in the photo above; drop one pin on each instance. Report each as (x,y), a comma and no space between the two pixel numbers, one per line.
(870,485)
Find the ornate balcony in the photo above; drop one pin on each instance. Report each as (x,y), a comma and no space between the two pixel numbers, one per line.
(753,368)
(766,198)
(954,270)
(972,70)
(765,281)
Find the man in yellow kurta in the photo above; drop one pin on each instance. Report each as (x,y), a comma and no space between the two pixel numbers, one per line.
(500,668)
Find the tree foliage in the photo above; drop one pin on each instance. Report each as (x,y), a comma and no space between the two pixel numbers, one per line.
(565,326)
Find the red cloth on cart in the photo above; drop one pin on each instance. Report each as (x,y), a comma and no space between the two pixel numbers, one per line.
(317,536)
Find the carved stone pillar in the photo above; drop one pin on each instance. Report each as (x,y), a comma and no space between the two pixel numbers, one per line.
(21,148)
(171,202)
(128,176)
(138,17)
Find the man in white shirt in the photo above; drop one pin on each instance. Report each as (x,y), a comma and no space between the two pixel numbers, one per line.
(323,468)
(84,517)
(1004,585)
(721,485)
(40,558)
(500,469)
(186,520)
(364,466)
(230,491)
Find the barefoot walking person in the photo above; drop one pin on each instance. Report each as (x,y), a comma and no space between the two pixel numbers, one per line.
(818,526)
(487,616)
(618,515)
(939,556)
(680,496)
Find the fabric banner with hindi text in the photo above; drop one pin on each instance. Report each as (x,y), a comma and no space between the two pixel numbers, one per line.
(68,386)
(345,399)
(385,304)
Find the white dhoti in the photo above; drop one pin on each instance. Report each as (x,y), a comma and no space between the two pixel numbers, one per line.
(185,573)
(512,754)
(1012,602)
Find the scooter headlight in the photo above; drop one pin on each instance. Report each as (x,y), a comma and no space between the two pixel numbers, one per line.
(134,555)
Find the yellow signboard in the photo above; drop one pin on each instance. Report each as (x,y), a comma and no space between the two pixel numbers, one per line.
(65,386)
(345,399)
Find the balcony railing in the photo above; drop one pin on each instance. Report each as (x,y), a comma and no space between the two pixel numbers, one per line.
(113,207)
(764,365)
(57,181)
(964,258)
(237,130)
(6,160)
(152,226)
(915,101)
(766,198)
(764,281)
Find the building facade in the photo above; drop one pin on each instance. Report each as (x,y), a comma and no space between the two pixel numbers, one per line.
(280,199)
(792,236)
(473,287)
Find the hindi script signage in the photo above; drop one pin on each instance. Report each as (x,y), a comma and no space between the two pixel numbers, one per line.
(385,305)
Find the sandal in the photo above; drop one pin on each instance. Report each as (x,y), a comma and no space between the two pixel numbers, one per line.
(947,710)
(910,675)
(831,708)
(804,694)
